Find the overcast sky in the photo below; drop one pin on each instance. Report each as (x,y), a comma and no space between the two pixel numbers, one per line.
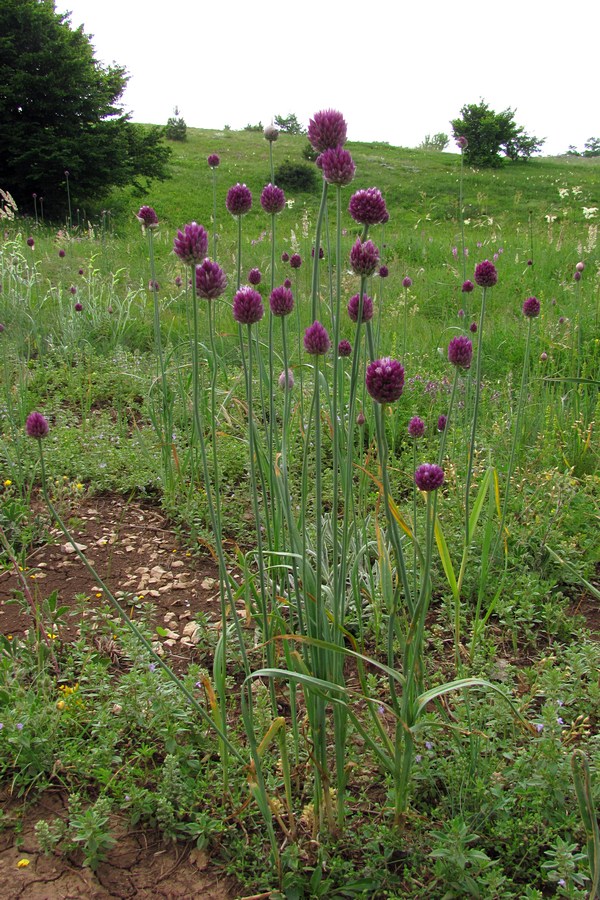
(397,71)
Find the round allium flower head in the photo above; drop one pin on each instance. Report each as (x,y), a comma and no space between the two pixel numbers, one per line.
(153,285)
(531,307)
(367,308)
(485,274)
(460,352)
(285,256)
(247,306)
(281,301)
(36,425)
(407,282)
(271,133)
(286,380)
(461,314)
(327,129)
(211,280)
(473,327)
(461,142)
(337,166)
(73,289)
(580,267)
(467,286)
(577,275)
(238,200)
(272,199)
(287,283)
(529,261)
(30,242)
(364,257)
(295,260)
(78,307)
(147,217)
(61,253)
(442,422)
(178,281)
(383,271)
(360,419)
(214,160)
(543,356)
(81,271)
(385,380)
(561,320)
(429,477)
(316,340)
(255,276)
(416,427)
(191,244)
(344,348)
(367,207)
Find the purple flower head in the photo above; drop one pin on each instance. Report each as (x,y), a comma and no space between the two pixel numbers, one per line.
(577,275)
(461,142)
(191,244)
(316,340)
(61,253)
(247,306)
(486,274)
(78,307)
(211,280)
(327,129)
(442,422)
(360,419)
(580,267)
(1,327)
(531,308)
(416,427)
(287,283)
(321,253)
(81,271)
(385,380)
(272,199)
(473,327)
(30,242)
(429,477)
(214,160)
(455,252)
(383,271)
(461,314)
(239,200)
(344,348)
(367,207)
(73,289)
(285,256)
(36,425)
(543,356)
(281,301)
(337,166)
(406,282)
(178,281)
(153,285)
(271,133)
(460,352)
(561,320)
(255,276)
(467,286)
(529,261)
(286,380)
(364,257)
(147,217)
(367,308)
(295,260)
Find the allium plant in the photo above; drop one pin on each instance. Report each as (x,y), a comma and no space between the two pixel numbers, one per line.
(362,308)
(191,244)
(364,257)
(211,280)
(337,166)
(367,207)
(272,199)
(327,130)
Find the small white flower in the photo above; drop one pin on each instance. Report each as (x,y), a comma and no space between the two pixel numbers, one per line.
(589,212)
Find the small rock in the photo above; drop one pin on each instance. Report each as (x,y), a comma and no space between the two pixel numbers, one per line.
(69,548)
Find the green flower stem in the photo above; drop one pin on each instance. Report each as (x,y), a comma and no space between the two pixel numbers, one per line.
(214,185)
(167,429)
(470,460)
(461,215)
(448,418)
(315,272)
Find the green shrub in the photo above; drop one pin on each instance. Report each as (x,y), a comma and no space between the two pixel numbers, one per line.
(296,176)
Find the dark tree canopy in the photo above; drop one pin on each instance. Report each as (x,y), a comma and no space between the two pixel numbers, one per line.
(60,111)
(489,133)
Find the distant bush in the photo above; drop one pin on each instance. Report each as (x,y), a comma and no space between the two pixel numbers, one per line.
(258,127)
(296,176)
(289,124)
(176,129)
(438,141)
(309,152)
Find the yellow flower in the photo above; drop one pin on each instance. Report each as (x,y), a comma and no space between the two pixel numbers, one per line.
(23,863)
(61,704)
(7,483)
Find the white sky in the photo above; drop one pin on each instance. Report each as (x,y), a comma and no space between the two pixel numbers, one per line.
(396,70)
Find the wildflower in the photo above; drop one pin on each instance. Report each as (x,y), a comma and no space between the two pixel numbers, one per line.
(147,217)
(36,425)
(281,301)
(460,352)
(191,244)
(78,307)
(337,166)
(531,307)
(543,356)
(416,427)
(271,133)
(406,282)
(321,253)
(23,863)
(461,142)
(61,253)
(214,160)
(153,285)
(442,422)
(272,199)
(285,257)
(577,275)
(247,306)
(580,267)
(486,274)
(461,314)
(286,380)
(30,242)
(238,200)
(364,257)
(152,667)
(211,280)
(385,380)
(178,281)
(529,261)
(344,348)
(354,306)
(327,130)
(20,726)
(316,339)
(455,252)
(383,271)
(467,286)
(367,207)
(562,320)
(360,419)
(473,327)
(287,283)
(295,260)
(255,276)
(73,289)
(429,477)
(81,271)
(7,482)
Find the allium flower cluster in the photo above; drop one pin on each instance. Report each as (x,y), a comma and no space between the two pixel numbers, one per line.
(78,307)
(580,266)
(238,200)
(367,207)
(271,133)
(416,427)
(354,308)
(442,422)
(285,256)
(286,380)
(429,477)
(316,340)
(364,257)
(407,282)
(327,129)
(255,276)
(531,307)
(385,380)
(383,271)
(295,260)
(247,306)
(36,425)
(461,142)
(191,244)
(337,166)
(147,217)
(486,274)
(211,280)
(344,348)
(577,275)
(321,253)
(467,286)
(460,352)
(214,160)
(61,253)
(272,199)
(281,301)
(30,242)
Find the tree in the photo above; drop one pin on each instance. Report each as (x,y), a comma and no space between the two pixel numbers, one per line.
(289,124)
(59,112)
(438,142)
(592,147)
(176,129)
(488,133)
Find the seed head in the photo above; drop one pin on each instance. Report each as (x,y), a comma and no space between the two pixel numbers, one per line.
(429,477)
(461,142)
(383,271)
(285,256)
(385,380)
(30,242)
(271,133)
(78,307)
(61,253)
(247,306)
(442,422)
(191,244)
